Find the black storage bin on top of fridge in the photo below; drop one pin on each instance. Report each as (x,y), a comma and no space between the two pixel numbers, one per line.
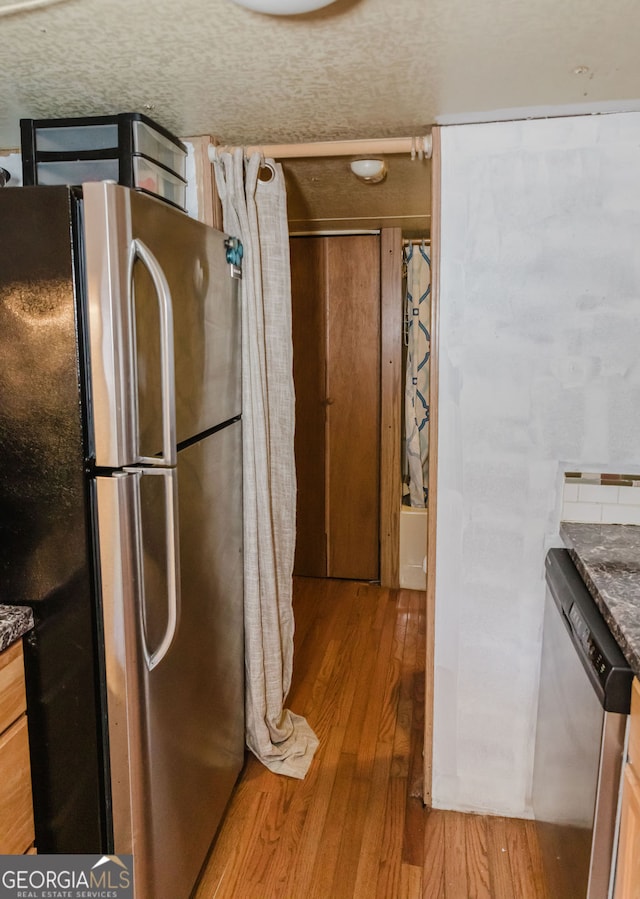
(128,148)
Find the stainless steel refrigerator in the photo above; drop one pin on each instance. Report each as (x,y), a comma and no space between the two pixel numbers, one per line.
(121,522)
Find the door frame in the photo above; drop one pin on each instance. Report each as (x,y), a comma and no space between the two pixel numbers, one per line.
(432,506)
(390,404)
(390,434)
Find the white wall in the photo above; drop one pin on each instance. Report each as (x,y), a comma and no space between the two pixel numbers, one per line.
(12,162)
(539,373)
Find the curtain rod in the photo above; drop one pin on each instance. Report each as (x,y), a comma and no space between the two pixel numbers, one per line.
(419,147)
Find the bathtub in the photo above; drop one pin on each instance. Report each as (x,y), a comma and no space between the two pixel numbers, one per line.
(413,548)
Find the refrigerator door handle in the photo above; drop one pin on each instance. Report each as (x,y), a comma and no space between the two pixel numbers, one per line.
(153,657)
(120,589)
(138,250)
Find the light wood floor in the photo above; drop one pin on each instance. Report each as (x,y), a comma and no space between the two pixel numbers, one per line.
(356,826)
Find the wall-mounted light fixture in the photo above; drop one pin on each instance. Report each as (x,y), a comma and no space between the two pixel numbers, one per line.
(371,171)
(283,7)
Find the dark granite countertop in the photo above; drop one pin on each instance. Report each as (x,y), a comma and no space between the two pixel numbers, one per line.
(15,621)
(608,558)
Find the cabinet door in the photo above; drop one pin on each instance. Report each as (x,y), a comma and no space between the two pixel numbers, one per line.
(16,810)
(336,346)
(12,691)
(628,868)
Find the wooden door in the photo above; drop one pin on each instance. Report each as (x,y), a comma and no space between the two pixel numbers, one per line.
(308,290)
(336,339)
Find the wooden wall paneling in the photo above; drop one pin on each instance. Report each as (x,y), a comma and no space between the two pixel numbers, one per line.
(353,403)
(308,295)
(391,404)
(209,207)
(436,215)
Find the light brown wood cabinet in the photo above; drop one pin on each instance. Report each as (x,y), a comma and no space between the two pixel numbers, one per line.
(16,806)
(628,865)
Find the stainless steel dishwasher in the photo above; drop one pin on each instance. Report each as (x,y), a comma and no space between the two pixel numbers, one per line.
(585,689)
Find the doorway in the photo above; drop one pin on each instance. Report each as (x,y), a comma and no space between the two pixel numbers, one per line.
(322,199)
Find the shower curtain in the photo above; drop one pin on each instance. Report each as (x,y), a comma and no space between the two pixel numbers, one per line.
(254,210)
(416,394)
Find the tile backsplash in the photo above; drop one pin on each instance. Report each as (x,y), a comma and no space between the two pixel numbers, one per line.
(601,498)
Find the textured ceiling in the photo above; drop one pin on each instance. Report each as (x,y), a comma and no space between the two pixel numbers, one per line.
(359,68)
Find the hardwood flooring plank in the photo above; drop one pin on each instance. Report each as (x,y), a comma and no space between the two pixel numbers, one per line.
(359,661)
(537,867)
(351,837)
(331,706)
(223,877)
(326,859)
(403,737)
(331,619)
(327,809)
(298,817)
(498,851)
(479,885)
(433,866)
(415,816)
(319,713)
(371,846)
(359,726)
(368,737)
(389,711)
(455,856)
(402,740)
(313,609)
(390,852)
(520,860)
(306,593)
(383,594)
(410,882)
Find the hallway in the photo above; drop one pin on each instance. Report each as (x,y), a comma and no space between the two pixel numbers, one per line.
(356,827)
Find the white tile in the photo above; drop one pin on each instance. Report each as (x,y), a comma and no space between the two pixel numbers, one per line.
(620,514)
(597,493)
(570,493)
(629,496)
(589,513)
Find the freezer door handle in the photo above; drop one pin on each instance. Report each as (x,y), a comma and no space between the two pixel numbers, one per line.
(153,657)
(139,251)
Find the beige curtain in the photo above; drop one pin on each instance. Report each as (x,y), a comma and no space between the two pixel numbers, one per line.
(254,210)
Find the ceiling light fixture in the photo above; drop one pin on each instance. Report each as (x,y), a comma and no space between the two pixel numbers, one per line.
(283,7)
(371,171)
